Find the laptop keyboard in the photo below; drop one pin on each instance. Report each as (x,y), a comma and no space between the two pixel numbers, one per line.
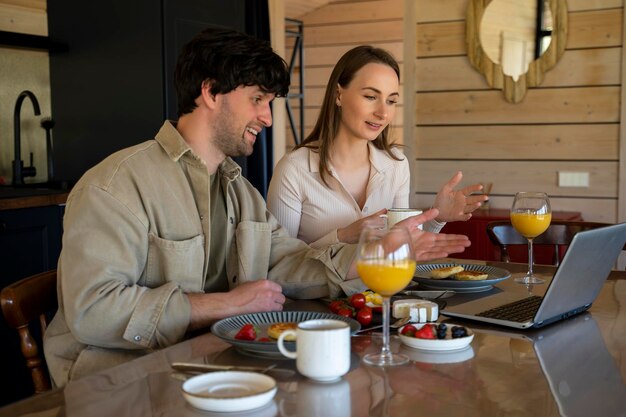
(521,311)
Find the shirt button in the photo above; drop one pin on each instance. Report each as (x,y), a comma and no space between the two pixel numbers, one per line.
(137,338)
(201,217)
(232,221)
(234,278)
(365,209)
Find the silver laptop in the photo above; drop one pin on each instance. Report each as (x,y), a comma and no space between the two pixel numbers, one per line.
(575,285)
(583,377)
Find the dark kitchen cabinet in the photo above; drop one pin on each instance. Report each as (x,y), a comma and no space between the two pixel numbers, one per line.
(30,242)
(112,81)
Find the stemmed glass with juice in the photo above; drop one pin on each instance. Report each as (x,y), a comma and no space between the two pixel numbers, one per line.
(386,264)
(530,216)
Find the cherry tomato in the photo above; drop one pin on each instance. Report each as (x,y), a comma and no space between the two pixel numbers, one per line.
(409,330)
(345,312)
(336,305)
(364,316)
(357,300)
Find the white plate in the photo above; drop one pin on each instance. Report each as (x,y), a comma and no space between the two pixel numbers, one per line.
(494,275)
(437,344)
(227,328)
(229,391)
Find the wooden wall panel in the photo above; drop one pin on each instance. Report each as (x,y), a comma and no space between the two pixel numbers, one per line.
(541,142)
(353,33)
(361,11)
(448,10)
(600,28)
(546,105)
(595,28)
(577,67)
(23,17)
(516,175)
(581,5)
(29,4)
(440,10)
(571,122)
(441,39)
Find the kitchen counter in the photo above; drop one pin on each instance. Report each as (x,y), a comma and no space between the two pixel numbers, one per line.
(17,197)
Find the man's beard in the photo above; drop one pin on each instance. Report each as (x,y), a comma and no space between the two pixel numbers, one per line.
(228,138)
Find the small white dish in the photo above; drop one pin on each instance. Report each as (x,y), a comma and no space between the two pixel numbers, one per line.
(229,391)
(437,344)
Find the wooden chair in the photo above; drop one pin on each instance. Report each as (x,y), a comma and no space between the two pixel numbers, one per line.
(24,303)
(559,234)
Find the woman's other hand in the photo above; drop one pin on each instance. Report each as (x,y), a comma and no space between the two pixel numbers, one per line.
(427,245)
(455,205)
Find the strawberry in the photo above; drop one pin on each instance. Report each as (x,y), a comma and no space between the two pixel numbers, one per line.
(426,332)
(247,332)
(409,330)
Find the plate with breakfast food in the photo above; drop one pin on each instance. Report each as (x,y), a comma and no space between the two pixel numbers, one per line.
(436,336)
(257,333)
(459,277)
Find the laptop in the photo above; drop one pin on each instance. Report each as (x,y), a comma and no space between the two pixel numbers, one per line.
(586,381)
(575,285)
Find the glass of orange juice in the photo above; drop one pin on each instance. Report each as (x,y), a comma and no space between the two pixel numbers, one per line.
(530,216)
(385,262)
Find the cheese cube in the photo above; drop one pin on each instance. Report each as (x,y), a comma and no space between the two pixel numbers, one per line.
(419,311)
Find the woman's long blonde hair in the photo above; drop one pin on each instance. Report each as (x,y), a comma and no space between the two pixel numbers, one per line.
(326,128)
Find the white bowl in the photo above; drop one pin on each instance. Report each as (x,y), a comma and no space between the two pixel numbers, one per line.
(437,344)
(229,391)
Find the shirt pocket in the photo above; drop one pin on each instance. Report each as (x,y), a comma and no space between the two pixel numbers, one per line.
(179,261)
(254,244)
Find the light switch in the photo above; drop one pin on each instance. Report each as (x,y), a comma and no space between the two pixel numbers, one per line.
(573,179)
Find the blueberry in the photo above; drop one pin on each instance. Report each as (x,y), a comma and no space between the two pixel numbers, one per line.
(442,327)
(441,334)
(459,331)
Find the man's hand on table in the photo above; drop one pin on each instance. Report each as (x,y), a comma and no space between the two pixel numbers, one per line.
(250,297)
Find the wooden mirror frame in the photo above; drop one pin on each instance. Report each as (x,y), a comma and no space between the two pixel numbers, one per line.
(514,91)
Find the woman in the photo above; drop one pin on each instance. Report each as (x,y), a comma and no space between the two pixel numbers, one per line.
(347,171)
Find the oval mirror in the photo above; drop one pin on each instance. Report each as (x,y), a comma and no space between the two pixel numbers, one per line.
(514,42)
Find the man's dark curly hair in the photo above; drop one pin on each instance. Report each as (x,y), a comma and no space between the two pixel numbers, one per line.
(228,59)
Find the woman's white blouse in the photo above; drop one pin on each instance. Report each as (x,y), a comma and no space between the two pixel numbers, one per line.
(313,212)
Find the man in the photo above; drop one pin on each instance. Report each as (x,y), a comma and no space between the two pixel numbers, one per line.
(167,237)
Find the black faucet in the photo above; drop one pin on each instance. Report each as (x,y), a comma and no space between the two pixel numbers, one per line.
(19,170)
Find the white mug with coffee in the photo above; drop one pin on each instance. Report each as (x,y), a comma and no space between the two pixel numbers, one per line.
(395,215)
(322,348)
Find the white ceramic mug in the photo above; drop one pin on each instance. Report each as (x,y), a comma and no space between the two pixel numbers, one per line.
(322,348)
(395,215)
